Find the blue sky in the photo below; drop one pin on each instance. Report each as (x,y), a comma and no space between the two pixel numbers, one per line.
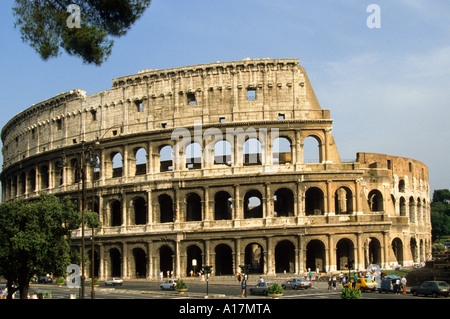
(387,88)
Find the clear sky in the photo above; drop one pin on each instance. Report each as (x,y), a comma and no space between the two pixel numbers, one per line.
(388,88)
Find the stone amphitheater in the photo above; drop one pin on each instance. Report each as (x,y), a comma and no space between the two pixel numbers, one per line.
(206,165)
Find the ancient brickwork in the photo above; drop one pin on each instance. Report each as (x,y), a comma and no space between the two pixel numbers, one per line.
(210,162)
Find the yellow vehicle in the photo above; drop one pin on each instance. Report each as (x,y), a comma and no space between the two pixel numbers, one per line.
(363,284)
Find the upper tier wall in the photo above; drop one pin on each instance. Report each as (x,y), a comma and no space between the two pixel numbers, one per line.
(230,92)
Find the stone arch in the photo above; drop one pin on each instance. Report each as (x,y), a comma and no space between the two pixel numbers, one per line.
(139,211)
(314,201)
(315,255)
(343,200)
(253,204)
(223,260)
(140,263)
(193,252)
(166,259)
(194,155)
(344,253)
(223,205)
(117,164)
(254,256)
(372,251)
(115,213)
(312,149)
(193,207)
(397,249)
(283,202)
(252,149)
(282,150)
(165,158)
(375,201)
(115,262)
(140,157)
(222,153)
(402,206)
(166,212)
(285,257)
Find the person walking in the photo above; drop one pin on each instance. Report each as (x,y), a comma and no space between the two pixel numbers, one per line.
(334,282)
(243,287)
(330,281)
(404,284)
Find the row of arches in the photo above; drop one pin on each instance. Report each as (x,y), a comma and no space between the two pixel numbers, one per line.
(284,258)
(223,206)
(137,162)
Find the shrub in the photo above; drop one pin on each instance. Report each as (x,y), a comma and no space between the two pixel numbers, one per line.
(348,293)
(180,284)
(275,289)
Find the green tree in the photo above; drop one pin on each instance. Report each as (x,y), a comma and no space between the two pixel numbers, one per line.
(35,238)
(48,26)
(440,214)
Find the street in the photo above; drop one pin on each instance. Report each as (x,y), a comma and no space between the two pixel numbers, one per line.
(217,289)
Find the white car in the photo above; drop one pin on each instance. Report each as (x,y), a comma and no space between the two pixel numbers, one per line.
(168,284)
(113,282)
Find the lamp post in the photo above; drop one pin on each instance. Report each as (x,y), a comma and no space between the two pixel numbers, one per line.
(207,271)
(82,162)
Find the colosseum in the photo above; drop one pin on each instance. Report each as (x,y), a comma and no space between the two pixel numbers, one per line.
(207,163)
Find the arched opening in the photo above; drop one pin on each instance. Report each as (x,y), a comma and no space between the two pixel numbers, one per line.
(96,263)
(140,263)
(116,262)
(222,153)
(222,205)
(372,252)
(397,248)
(32,180)
(45,178)
(140,211)
(193,207)
(414,249)
(252,152)
(285,257)
(375,201)
(194,156)
(283,203)
(165,208)
(401,186)
(75,168)
(254,256)
(193,252)
(412,210)
(402,206)
(311,150)
(165,159)
(224,260)
(314,202)
(141,161)
(343,200)
(166,256)
(117,163)
(315,255)
(344,253)
(281,150)
(253,207)
(115,213)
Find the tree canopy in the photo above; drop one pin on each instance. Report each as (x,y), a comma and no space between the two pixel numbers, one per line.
(440,214)
(34,238)
(48,25)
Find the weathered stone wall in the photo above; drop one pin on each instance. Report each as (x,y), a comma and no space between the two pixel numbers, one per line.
(267,206)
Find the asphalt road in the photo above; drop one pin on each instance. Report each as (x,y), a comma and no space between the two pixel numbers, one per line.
(144,289)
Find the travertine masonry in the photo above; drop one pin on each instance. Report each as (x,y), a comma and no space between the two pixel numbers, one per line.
(207,162)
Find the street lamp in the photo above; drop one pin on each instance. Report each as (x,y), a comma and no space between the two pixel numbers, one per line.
(207,271)
(244,269)
(82,163)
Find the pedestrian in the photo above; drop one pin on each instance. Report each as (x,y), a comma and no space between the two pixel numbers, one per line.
(397,286)
(330,281)
(334,282)
(243,287)
(261,279)
(404,285)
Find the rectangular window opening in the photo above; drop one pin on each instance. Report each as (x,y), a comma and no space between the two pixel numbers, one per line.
(191,99)
(251,94)
(281,116)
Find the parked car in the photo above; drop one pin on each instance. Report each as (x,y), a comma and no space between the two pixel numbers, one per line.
(297,283)
(363,284)
(45,280)
(168,284)
(261,288)
(113,282)
(434,288)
